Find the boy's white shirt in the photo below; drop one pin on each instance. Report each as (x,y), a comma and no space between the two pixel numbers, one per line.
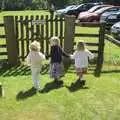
(81,58)
(34,59)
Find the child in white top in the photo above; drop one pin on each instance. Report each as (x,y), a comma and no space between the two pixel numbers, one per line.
(81,56)
(34,59)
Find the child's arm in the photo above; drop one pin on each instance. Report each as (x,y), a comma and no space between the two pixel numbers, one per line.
(90,55)
(72,56)
(65,54)
(28,59)
(47,56)
(42,56)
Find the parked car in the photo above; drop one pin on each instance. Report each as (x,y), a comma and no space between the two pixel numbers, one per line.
(109,14)
(93,9)
(110,19)
(95,16)
(62,12)
(115,30)
(80,8)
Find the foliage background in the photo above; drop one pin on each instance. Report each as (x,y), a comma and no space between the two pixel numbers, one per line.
(45,4)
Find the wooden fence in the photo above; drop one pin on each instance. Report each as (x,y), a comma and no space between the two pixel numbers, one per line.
(3,46)
(39,28)
(21,31)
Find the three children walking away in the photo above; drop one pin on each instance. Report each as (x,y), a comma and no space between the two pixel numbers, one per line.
(34,59)
(81,56)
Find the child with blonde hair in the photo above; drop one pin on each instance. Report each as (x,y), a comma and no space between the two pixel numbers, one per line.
(81,56)
(56,64)
(34,59)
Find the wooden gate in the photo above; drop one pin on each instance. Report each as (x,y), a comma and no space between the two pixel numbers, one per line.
(21,31)
(3,46)
(39,28)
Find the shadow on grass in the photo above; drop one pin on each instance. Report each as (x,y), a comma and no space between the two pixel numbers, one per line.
(25,94)
(25,70)
(20,70)
(76,86)
(111,71)
(51,86)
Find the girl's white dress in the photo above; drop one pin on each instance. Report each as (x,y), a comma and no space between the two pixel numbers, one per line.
(81,58)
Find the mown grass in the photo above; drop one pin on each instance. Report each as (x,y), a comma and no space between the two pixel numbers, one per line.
(99,99)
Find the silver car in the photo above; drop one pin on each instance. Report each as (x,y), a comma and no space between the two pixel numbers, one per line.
(115,30)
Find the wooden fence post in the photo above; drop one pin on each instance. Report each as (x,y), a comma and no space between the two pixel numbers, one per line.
(100,50)
(69,37)
(11,40)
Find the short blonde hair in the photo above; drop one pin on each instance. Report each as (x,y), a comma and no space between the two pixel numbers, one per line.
(54,40)
(35,46)
(81,45)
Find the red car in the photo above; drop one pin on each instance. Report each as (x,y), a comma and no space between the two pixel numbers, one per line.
(93,9)
(95,16)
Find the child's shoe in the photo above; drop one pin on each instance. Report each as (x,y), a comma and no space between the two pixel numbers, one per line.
(83,82)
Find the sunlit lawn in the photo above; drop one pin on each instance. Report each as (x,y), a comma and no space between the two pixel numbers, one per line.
(99,99)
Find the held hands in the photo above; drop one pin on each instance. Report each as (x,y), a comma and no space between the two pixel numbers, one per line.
(46,56)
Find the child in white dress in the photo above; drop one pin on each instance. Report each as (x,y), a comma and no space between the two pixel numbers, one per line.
(34,59)
(81,56)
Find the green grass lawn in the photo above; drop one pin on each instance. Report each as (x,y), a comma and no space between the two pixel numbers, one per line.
(99,99)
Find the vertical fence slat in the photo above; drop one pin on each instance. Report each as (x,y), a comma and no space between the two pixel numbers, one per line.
(42,35)
(61,31)
(32,28)
(37,29)
(17,32)
(22,37)
(51,25)
(47,41)
(56,25)
(27,34)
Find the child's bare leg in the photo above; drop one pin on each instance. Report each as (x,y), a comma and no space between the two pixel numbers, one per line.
(56,78)
(80,75)
(81,79)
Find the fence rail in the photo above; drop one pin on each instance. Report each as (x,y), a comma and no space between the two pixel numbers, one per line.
(112,40)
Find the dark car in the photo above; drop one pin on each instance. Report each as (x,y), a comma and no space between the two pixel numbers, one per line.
(80,8)
(115,30)
(112,15)
(113,18)
(95,16)
(110,19)
(93,9)
(62,12)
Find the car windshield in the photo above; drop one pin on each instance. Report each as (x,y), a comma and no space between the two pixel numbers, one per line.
(101,10)
(94,8)
(78,6)
(68,7)
(117,12)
